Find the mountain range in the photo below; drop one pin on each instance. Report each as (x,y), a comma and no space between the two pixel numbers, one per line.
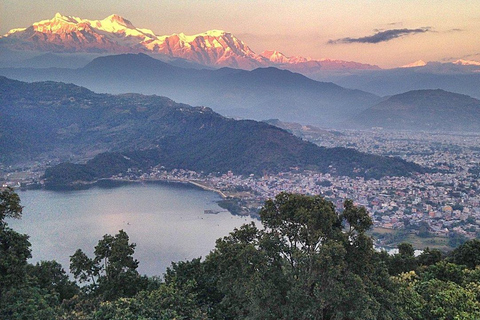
(185,68)
(115,34)
(263,93)
(458,76)
(68,41)
(69,122)
(268,93)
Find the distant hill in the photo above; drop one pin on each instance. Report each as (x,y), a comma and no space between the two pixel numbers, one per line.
(430,110)
(464,79)
(50,60)
(259,94)
(71,122)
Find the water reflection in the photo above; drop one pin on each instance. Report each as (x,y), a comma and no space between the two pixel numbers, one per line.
(166,222)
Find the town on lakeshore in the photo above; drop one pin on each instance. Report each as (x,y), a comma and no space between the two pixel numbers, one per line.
(442,204)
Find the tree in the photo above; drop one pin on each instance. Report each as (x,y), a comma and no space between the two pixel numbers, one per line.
(112,273)
(301,223)
(14,247)
(308,262)
(9,205)
(18,299)
(447,300)
(404,260)
(467,254)
(165,303)
(406,250)
(27,302)
(84,269)
(51,277)
(429,257)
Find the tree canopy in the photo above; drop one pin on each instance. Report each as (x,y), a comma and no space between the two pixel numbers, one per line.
(306,261)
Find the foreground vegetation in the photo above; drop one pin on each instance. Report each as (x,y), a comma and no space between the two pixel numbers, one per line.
(307,262)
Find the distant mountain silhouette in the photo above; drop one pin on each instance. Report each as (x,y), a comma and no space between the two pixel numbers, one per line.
(50,60)
(258,94)
(431,110)
(464,79)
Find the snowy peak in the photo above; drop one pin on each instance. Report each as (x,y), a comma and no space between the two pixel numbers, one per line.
(419,63)
(115,34)
(278,57)
(462,62)
(212,48)
(116,19)
(59,24)
(116,24)
(213,33)
(275,56)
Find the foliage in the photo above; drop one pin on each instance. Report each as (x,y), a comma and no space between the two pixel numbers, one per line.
(14,247)
(112,273)
(306,262)
(467,254)
(51,277)
(27,302)
(166,303)
(18,300)
(9,205)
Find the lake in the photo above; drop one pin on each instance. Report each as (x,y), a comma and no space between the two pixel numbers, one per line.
(166,221)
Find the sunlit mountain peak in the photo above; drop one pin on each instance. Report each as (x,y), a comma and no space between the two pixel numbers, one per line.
(115,34)
(466,62)
(418,63)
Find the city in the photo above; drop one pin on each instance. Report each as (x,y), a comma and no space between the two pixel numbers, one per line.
(443,203)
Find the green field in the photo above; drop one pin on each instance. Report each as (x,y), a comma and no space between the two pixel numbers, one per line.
(391,238)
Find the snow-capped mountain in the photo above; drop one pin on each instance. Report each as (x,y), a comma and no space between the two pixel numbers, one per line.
(73,34)
(312,67)
(115,34)
(416,64)
(211,48)
(462,62)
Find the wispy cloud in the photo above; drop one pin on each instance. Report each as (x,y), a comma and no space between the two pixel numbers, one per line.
(398,23)
(464,57)
(382,36)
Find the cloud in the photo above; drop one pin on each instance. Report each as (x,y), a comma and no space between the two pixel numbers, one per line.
(398,23)
(382,36)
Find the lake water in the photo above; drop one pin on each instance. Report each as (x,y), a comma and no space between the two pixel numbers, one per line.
(166,221)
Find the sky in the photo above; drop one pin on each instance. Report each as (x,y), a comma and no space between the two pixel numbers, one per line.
(388,33)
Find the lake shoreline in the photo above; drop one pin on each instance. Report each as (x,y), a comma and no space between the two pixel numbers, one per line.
(169,221)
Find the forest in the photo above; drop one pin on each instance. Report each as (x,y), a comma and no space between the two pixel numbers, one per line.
(307,261)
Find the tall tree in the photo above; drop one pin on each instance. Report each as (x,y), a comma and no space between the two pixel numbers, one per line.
(18,298)
(112,273)
(14,247)
(306,263)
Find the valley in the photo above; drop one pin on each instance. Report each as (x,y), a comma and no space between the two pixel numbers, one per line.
(444,203)
(262,160)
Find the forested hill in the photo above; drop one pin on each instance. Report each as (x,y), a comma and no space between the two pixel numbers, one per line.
(52,117)
(260,94)
(429,110)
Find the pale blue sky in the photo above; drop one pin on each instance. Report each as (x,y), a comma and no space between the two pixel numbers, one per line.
(302,27)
